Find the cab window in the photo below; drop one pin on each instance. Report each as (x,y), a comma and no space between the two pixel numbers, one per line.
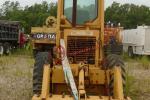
(86,10)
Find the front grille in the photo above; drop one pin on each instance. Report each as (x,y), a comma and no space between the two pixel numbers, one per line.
(81,49)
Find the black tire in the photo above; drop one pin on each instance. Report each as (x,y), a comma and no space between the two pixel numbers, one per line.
(40,59)
(130,52)
(35,52)
(115,60)
(1,49)
(7,48)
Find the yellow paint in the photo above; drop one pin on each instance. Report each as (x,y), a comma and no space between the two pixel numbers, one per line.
(45,83)
(95,73)
(118,87)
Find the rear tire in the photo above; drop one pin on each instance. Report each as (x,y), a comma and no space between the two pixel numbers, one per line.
(40,59)
(116,60)
(7,49)
(130,52)
(1,50)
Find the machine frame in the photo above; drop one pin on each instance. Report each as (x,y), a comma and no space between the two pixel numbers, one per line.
(85,75)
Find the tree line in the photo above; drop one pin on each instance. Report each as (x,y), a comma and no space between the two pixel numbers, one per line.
(129,15)
(29,16)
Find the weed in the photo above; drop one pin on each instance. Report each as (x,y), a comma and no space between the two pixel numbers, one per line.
(22,51)
(127,58)
(145,62)
(137,80)
(16,77)
(129,81)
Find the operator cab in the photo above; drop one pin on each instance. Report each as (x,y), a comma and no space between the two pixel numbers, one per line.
(78,12)
(82,29)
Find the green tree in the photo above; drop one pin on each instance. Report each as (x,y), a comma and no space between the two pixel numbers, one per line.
(29,16)
(129,15)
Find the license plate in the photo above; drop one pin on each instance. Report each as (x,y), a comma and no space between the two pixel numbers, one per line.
(50,36)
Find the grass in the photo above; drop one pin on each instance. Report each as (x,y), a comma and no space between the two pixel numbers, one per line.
(22,52)
(16,76)
(126,57)
(138,89)
(129,81)
(138,80)
(144,60)
(138,77)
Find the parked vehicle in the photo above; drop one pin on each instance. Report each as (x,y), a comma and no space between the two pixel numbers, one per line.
(137,41)
(113,40)
(11,35)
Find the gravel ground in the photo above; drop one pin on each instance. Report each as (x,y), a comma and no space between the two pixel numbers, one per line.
(139,81)
(16,79)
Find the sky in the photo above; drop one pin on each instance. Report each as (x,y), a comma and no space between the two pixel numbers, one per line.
(107,2)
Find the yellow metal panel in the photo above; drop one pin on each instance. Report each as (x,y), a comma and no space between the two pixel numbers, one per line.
(118,87)
(42,41)
(43,30)
(58,75)
(97,76)
(46,81)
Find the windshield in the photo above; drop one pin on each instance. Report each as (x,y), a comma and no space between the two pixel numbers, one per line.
(68,6)
(86,10)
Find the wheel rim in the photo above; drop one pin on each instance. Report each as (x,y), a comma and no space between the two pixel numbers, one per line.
(1,50)
(130,52)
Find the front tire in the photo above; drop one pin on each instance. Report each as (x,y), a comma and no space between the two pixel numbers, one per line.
(130,52)
(115,60)
(7,48)
(40,59)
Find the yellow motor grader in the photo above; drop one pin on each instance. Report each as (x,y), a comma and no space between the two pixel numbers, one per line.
(70,63)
